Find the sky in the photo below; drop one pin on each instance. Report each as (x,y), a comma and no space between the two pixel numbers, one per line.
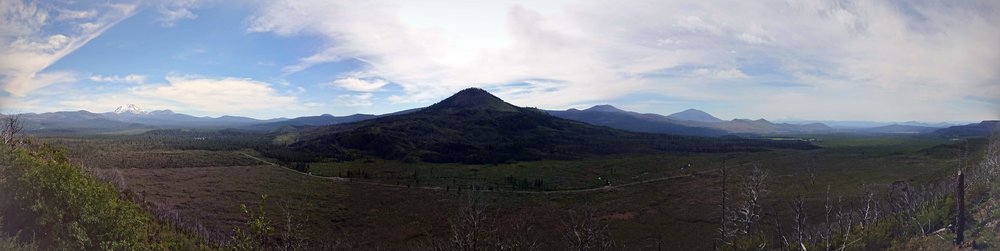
(817,60)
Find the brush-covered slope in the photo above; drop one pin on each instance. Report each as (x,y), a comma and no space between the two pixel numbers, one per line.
(474,126)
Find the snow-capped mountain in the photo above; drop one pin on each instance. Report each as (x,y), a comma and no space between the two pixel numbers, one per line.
(129,109)
(170,119)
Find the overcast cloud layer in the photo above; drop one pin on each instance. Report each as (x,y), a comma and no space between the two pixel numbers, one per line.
(848,60)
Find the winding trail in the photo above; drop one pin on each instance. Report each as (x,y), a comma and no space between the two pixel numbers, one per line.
(567,191)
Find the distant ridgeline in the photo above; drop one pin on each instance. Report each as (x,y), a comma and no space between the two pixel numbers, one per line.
(473,126)
(970,130)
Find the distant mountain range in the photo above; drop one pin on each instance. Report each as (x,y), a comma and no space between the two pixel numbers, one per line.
(690,122)
(78,121)
(127,117)
(762,126)
(847,125)
(473,126)
(894,129)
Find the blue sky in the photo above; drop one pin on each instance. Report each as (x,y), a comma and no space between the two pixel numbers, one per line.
(823,60)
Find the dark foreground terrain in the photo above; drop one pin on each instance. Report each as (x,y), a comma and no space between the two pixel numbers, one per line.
(637,201)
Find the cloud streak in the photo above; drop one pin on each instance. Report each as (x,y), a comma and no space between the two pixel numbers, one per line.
(359,84)
(130,78)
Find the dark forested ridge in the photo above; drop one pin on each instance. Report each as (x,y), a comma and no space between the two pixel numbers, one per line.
(474,126)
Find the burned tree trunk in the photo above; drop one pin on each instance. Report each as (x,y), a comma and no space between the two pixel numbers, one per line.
(960,206)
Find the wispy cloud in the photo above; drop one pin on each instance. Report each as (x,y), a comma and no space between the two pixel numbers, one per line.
(130,78)
(172,11)
(69,14)
(359,84)
(717,73)
(27,47)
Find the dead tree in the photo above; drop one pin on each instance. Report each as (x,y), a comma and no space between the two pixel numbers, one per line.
(742,211)
(748,209)
(798,207)
(867,212)
(11,127)
(291,236)
(845,222)
(828,209)
(471,228)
